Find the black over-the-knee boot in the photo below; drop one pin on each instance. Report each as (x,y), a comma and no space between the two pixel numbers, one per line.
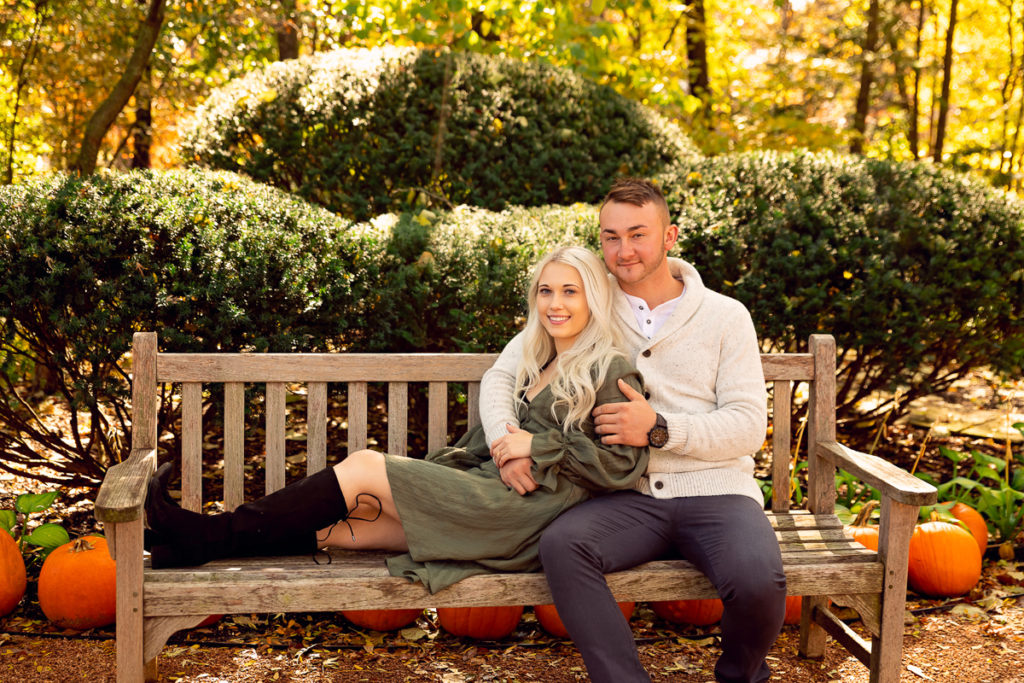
(282,523)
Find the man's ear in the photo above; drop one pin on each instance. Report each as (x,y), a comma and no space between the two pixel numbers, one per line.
(671,235)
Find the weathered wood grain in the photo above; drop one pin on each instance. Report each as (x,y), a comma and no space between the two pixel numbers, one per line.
(322,367)
(316,427)
(124,488)
(818,557)
(192,446)
(293,587)
(234,444)
(357,425)
(897,483)
(782,399)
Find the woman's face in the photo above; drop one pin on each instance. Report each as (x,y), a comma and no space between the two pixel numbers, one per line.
(562,304)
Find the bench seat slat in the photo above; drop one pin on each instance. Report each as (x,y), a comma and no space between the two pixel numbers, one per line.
(802,519)
(296,584)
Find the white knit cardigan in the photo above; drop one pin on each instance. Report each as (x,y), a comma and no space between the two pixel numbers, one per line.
(703,374)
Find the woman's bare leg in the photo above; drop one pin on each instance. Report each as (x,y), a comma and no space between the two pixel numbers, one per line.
(373,522)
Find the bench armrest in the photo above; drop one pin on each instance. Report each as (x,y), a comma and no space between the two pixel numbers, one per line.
(123,491)
(892,481)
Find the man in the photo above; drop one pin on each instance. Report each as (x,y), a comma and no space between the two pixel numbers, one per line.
(704,416)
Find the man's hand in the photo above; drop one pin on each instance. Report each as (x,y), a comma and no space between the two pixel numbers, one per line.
(625,423)
(516,473)
(514,445)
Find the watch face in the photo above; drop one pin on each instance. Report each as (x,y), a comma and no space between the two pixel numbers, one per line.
(657,437)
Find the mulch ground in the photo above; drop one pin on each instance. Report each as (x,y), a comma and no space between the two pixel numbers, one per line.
(977,638)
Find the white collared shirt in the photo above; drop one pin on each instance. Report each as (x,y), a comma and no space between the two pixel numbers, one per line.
(650,321)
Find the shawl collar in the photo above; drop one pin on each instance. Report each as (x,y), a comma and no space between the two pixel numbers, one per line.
(693,296)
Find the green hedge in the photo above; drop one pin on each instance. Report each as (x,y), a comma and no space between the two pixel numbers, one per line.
(919,274)
(917,271)
(366,132)
(213,261)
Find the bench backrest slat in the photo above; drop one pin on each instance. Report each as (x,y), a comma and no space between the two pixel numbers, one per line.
(357,392)
(398,417)
(437,415)
(278,374)
(275,436)
(322,367)
(234,444)
(192,445)
(316,424)
(782,397)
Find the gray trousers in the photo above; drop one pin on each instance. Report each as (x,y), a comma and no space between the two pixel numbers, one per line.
(726,537)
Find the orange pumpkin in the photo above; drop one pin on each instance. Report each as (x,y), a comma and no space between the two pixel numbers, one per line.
(77,584)
(944,560)
(382,619)
(696,612)
(794,608)
(483,623)
(974,521)
(861,531)
(548,617)
(12,573)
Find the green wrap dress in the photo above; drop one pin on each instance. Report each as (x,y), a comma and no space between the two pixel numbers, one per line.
(460,519)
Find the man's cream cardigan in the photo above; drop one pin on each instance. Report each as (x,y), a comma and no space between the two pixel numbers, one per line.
(703,374)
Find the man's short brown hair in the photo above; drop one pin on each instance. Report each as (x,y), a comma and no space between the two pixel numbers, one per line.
(638,192)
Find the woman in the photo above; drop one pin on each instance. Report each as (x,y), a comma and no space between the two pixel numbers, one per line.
(456,513)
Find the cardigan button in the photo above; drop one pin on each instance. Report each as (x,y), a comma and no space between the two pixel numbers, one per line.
(647,395)
(646,353)
(659,484)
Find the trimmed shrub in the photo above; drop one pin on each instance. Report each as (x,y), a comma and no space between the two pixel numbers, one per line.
(209,260)
(212,261)
(917,271)
(456,281)
(365,132)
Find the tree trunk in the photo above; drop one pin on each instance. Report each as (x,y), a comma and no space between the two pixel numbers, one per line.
(1008,89)
(21,82)
(287,31)
(947,77)
(697,57)
(110,108)
(142,134)
(867,77)
(915,109)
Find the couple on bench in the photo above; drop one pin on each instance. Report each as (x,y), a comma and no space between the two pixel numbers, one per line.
(617,428)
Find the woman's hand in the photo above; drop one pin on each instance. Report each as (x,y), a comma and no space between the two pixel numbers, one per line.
(517,474)
(513,446)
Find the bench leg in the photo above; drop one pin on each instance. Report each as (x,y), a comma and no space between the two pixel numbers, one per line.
(812,636)
(897,526)
(128,541)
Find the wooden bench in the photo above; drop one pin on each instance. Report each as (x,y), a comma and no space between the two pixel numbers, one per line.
(820,561)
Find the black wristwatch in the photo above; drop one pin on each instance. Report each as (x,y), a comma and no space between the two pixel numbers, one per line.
(658,436)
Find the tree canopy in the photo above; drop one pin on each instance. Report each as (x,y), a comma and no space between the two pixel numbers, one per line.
(900,80)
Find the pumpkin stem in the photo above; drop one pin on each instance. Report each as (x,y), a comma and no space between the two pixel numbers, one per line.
(865,513)
(81,545)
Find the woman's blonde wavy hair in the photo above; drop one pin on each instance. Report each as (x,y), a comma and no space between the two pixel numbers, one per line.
(582,368)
